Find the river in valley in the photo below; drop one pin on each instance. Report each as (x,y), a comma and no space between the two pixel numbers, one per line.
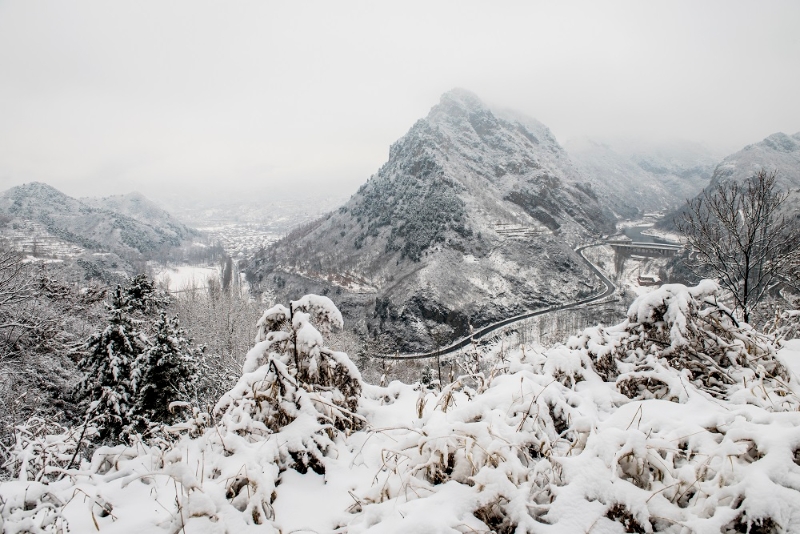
(635,234)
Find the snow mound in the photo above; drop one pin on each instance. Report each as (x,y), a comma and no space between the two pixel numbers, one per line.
(678,420)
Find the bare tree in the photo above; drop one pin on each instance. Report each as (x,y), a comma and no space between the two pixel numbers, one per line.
(739,236)
(224,322)
(16,289)
(43,326)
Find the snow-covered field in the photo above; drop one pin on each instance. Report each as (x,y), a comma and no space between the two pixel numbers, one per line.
(674,421)
(182,277)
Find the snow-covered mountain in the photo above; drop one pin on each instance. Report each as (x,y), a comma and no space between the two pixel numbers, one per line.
(778,153)
(635,178)
(126,225)
(473,218)
(138,207)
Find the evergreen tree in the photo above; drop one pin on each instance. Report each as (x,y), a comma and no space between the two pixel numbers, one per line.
(163,373)
(107,367)
(130,378)
(144,297)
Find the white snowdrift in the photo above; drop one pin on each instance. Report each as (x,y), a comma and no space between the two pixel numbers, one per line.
(676,420)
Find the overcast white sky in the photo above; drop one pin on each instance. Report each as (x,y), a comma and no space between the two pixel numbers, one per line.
(103,97)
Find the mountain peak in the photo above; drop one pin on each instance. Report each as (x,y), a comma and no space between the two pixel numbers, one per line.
(459,226)
(461,98)
(781,142)
(456,106)
(34,188)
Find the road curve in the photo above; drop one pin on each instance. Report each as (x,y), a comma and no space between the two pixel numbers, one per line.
(463,342)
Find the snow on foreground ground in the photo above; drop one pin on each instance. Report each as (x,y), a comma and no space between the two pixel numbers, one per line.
(676,420)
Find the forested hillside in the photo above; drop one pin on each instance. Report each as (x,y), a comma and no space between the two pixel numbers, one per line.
(105,239)
(779,154)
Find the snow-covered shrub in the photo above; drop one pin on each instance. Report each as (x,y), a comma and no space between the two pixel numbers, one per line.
(784,325)
(686,330)
(43,450)
(42,453)
(497,443)
(578,439)
(32,510)
(289,376)
(289,411)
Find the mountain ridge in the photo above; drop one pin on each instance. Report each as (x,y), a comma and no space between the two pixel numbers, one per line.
(93,225)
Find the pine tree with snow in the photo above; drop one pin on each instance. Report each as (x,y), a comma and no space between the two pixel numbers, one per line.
(107,366)
(144,297)
(164,373)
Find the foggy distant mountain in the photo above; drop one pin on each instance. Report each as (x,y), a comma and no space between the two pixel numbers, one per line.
(778,153)
(128,225)
(643,177)
(140,208)
(472,219)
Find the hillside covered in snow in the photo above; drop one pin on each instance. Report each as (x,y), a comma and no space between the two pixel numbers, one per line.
(103,239)
(779,153)
(676,420)
(127,224)
(472,219)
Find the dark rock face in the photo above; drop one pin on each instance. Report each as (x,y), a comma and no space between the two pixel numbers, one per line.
(472,219)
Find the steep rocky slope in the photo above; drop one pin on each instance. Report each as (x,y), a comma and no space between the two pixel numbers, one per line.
(473,218)
(643,177)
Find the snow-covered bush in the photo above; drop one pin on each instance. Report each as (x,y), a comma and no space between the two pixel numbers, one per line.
(686,330)
(43,450)
(583,437)
(784,325)
(289,376)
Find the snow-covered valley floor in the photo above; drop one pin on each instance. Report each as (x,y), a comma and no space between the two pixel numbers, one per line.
(184,277)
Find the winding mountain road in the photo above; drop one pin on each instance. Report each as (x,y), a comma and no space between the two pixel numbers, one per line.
(463,342)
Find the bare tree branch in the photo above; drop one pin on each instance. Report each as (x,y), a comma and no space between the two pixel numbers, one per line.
(739,236)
